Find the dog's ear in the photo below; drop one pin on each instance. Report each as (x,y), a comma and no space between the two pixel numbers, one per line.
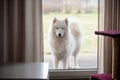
(66,21)
(54,20)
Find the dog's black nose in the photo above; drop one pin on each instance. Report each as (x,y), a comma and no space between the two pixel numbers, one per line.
(59,34)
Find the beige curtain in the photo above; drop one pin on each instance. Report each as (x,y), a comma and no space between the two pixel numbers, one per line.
(21,31)
(109,19)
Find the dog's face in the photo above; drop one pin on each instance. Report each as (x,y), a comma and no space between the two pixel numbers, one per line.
(60,27)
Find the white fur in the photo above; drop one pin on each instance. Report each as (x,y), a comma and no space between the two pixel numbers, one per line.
(65,41)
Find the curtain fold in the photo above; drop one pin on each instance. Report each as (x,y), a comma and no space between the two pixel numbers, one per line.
(1,31)
(20,31)
(111,21)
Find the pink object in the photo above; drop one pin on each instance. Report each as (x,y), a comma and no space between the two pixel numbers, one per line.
(101,77)
(111,33)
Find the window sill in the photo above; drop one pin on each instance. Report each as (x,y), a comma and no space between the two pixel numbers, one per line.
(71,73)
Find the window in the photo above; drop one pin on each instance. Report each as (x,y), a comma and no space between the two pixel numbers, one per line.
(86,12)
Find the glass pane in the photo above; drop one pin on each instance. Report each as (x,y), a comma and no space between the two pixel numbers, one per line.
(84,13)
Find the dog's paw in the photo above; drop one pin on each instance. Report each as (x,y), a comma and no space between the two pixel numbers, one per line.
(76,67)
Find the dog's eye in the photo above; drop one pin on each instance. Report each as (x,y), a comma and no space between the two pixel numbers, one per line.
(62,28)
(56,27)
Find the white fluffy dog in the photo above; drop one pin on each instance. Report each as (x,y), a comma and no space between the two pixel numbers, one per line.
(64,41)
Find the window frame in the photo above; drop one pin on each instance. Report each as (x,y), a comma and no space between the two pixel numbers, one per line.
(63,73)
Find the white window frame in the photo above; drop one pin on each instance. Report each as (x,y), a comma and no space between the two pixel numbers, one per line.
(62,73)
